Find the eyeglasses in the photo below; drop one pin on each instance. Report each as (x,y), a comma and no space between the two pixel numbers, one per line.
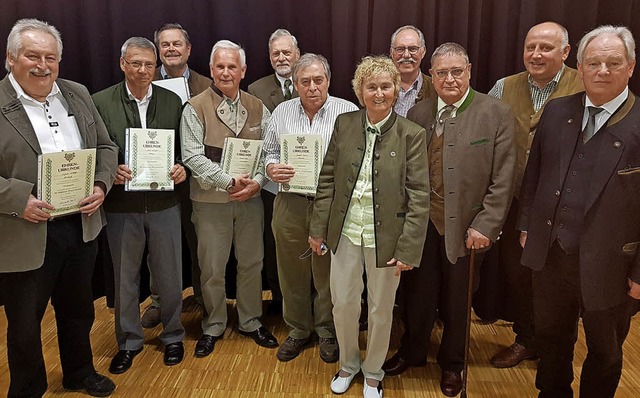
(413,50)
(138,64)
(455,73)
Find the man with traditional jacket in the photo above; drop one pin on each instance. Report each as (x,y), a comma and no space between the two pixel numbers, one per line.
(546,47)
(43,257)
(470,142)
(579,219)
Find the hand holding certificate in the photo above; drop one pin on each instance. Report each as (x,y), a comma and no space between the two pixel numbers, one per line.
(150,154)
(305,153)
(65,179)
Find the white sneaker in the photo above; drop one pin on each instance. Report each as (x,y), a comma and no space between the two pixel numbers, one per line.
(372,392)
(339,385)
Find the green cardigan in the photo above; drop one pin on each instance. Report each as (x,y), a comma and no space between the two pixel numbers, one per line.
(119,113)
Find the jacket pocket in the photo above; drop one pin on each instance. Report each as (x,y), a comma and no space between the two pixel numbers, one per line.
(630,248)
(629,171)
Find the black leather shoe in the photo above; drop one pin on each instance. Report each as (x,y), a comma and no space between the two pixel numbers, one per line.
(123,360)
(451,383)
(173,353)
(262,337)
(397,365)
(205,345)
(95,385)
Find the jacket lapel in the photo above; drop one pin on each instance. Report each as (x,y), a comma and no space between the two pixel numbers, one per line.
(17,116)
(609,152)
(569,132)
(77,109)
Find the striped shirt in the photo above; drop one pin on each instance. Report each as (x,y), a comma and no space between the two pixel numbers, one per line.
(208,173)
(407,99)
(538,95)
(289,118)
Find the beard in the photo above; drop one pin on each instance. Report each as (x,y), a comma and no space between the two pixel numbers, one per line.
(283,70)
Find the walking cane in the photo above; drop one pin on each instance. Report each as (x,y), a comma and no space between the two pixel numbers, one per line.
(465,370)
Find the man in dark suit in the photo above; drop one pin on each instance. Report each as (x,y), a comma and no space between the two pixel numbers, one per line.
(472,158)
(272,90)
(42,257)
(579,218)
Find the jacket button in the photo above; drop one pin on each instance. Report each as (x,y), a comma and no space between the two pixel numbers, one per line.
(221,111)
(379,139)
(14,214)
(375,172)
(376,155)
(378,223)
(549,222)
(377,206)
(557,193)
(376,190)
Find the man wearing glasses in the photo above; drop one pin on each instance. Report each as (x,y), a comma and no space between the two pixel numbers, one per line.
(470,138)
(407,50)
(136,219)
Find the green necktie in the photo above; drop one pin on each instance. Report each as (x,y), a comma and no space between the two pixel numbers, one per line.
(287,89)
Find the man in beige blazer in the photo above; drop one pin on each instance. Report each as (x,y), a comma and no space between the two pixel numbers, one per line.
(43,257)
(470,144)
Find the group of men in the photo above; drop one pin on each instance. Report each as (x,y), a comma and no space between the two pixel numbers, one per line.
(571,170)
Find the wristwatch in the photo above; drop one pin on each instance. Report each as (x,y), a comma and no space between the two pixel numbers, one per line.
(231,185)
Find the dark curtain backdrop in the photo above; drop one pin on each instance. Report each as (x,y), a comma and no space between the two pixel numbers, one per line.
(343,30)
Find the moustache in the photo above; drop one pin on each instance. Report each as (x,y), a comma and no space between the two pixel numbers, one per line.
(411,60)
(40,73)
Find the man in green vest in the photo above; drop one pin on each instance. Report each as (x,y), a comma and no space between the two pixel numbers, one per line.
(226,209)
(546,47)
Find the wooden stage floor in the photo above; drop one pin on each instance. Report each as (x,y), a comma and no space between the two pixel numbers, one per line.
(239,368)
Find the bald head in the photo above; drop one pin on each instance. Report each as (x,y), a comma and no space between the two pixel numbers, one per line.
(546,47)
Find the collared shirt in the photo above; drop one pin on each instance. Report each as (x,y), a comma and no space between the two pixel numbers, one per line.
(165,75)
(282,80)
(143,104)
(55,128)
(209,174)
(407,99)
(609,109)
(289,118)
(457,104)
(538,95)
(359,222)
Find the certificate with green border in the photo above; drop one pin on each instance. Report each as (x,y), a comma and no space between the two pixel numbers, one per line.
(241,156)
(65,178)
(305,153)
(150,154)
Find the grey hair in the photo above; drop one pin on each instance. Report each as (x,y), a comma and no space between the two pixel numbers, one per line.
(14,41)
(228,45)
(137,42)
(306,60)
(170,26)
(410,27)
(449,49)
(622,32)
(282,33)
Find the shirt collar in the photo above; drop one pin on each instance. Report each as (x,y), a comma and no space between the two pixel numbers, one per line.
(612,105)
(457,104)
(55,91)
(144,99)
(165,75)
(378,126)
(553,81)
(414,86)
(322,109)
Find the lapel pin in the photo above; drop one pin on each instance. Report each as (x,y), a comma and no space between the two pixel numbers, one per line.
(617,144)
(570,121)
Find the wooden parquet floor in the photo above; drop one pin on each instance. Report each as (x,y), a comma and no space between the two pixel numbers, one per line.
(238,368)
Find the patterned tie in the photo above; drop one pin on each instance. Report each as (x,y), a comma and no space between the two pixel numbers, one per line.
(444,116)
(590,129)
(287,89)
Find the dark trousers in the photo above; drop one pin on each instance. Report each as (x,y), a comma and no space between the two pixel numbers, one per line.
(65,277)
(436,285)
(270,264)
(557,307)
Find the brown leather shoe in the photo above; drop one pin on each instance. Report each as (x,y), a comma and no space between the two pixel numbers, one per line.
(451,383)
(329,351)
(396,365)
(512,355)
(291,348)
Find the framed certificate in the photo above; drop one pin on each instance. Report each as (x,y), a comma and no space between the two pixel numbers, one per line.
(150,154)
(65,178)
(178,85)
(305,153)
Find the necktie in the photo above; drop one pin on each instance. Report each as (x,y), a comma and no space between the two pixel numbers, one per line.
(287,89)
(444,116)
(590,129)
